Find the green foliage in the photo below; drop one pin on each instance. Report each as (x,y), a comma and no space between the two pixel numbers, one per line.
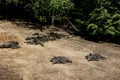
(114,25)
(60,5)
(101,22)
(93,29)
(12,1)
(111,31)
(51,8)
(97,18)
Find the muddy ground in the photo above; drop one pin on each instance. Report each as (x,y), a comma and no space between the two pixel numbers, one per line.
(32,62)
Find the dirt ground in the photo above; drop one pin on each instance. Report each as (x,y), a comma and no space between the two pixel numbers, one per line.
(32,62)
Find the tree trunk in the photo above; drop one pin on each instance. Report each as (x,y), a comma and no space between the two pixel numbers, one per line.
(52,22)
(53,18)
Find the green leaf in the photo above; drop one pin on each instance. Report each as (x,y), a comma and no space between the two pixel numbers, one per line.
(92,26)
(112,31)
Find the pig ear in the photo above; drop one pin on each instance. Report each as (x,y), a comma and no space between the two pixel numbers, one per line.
(90,54)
